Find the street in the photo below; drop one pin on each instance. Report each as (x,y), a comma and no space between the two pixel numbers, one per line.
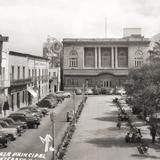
(97,137)
(30,141)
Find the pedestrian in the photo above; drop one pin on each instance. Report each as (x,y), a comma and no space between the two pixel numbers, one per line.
(153,133)
(67,116)
(119,124)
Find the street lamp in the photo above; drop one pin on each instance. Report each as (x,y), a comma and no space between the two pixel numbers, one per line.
(52,117)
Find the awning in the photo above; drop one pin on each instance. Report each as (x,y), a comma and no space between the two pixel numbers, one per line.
(32,92)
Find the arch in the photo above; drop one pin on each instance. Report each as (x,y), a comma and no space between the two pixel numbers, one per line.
(105,73)
(73,53)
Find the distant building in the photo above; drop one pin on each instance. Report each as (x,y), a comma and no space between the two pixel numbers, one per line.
(29,79)
(102,62)
(51,50)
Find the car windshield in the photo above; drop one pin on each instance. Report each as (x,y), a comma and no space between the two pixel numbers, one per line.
(4,125)
(9,121)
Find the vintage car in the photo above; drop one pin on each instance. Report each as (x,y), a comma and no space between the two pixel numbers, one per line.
(32,121)
(10,132)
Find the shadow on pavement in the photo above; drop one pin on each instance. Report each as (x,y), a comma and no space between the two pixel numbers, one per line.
(112,112)
(110,118)
(155,146)
(145,156)
(111,142)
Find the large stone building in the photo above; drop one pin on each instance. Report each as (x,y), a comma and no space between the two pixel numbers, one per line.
(103,62)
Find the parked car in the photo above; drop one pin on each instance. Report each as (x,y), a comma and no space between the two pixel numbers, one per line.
(47,103)
(66,94)
(60,95)
(89,92)
(78,91)
(10,121)
(3,139)
(10,132)
(4,124)
(35,111)
(32,121)
(41,111)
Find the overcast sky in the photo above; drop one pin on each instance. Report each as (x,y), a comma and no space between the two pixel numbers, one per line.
(29,22)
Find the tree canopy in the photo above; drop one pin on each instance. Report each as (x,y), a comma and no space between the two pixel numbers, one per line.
(143,84)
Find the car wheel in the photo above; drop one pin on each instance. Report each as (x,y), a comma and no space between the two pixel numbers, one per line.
(11,138)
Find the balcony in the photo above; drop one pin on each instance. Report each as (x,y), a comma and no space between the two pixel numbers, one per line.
(4,83)
(16,82)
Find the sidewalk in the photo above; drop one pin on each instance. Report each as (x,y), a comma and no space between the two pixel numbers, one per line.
(138,123)
(97,137)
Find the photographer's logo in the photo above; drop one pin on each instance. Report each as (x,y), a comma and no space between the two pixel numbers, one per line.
(48,140)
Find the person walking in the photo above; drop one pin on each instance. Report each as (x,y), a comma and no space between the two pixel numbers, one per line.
(153,133)
(119,124)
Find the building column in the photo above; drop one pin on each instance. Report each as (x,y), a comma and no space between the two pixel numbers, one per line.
(112,57)
(99,57)
(95,57)
(116,58)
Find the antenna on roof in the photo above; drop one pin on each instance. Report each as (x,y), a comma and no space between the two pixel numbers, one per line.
(105,27)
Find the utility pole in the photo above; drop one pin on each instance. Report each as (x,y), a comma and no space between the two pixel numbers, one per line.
(52,116)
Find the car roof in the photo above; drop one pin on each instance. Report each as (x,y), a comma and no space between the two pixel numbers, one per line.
(18,113)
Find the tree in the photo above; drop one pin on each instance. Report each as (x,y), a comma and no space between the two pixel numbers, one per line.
(143,84)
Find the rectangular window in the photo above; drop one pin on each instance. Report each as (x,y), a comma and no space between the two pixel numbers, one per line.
(73,62)
(12,102)
(12,73)
(23,72)
(23,96)
(122,56)
(54,74)
(18,72)
(32,72)
(89,57)
(39,72)
(29,73)
(105,57)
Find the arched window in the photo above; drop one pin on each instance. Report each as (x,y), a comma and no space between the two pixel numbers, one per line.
(73,59)
(138,58)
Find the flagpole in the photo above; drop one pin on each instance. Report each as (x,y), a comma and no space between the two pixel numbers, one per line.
(105,27)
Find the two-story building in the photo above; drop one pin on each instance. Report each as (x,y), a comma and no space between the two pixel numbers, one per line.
(4,81)
(102,62)
(29,79)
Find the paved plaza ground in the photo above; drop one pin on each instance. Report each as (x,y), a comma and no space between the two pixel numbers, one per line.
(98,138)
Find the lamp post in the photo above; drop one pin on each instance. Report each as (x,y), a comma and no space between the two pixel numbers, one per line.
(52,117)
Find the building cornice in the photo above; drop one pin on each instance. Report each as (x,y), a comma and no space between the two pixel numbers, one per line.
(95,72)
(26,55)
(106,41)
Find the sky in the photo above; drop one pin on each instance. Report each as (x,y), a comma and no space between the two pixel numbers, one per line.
(28,23)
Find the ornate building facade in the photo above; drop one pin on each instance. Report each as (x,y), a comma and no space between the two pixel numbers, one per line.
(102,62)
